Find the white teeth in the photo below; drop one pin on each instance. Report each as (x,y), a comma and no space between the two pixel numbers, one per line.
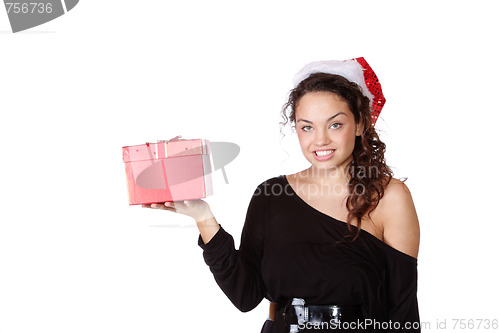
(324,152)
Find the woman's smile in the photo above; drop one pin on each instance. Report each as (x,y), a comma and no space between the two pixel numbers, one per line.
(324,154)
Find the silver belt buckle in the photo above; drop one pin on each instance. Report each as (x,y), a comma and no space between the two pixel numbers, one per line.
(301,313)
(336,314)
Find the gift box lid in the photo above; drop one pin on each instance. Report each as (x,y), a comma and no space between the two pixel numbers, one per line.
(165,149)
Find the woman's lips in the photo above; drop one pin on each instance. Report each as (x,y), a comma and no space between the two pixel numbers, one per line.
(323,154)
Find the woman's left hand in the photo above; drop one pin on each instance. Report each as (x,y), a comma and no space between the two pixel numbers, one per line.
(198,209)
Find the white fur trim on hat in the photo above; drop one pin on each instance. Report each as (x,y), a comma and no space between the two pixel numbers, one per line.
(350,69)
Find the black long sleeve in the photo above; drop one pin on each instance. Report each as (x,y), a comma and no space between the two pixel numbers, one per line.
(238,272)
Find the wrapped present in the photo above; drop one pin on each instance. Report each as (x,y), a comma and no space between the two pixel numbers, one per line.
(168,171)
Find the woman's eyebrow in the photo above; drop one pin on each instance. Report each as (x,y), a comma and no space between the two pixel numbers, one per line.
(310,122)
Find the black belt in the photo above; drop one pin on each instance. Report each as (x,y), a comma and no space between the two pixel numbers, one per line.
(297,315)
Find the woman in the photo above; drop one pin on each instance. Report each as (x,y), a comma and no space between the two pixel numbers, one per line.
(333,247)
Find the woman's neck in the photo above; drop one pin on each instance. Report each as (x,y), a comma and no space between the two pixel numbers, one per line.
(336,175)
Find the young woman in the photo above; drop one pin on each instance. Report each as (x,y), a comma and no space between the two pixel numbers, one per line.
(333,247)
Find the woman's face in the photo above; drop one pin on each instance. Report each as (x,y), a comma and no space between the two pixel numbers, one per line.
(326,129)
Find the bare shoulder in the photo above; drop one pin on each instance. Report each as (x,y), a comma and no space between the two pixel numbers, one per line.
(396,190)
(398,217)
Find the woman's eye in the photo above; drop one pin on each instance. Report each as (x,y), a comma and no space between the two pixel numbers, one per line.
(335,125)
(306,128)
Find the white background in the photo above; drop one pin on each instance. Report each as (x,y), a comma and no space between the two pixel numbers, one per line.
(74,257)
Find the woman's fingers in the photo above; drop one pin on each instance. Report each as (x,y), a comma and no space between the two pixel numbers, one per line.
(197,209)
(166,206)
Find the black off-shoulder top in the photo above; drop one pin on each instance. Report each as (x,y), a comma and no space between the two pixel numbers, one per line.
(290,250)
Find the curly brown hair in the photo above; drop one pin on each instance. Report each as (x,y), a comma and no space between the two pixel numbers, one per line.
(368,154)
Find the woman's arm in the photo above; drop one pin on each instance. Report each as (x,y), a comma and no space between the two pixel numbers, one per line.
(199,210)
(401,231)
(399,219)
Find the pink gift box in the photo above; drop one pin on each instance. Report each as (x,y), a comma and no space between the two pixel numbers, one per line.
(168,171)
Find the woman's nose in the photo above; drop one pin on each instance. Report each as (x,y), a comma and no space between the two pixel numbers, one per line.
(322,138)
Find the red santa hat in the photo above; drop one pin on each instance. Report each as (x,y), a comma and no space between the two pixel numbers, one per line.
(355,70)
